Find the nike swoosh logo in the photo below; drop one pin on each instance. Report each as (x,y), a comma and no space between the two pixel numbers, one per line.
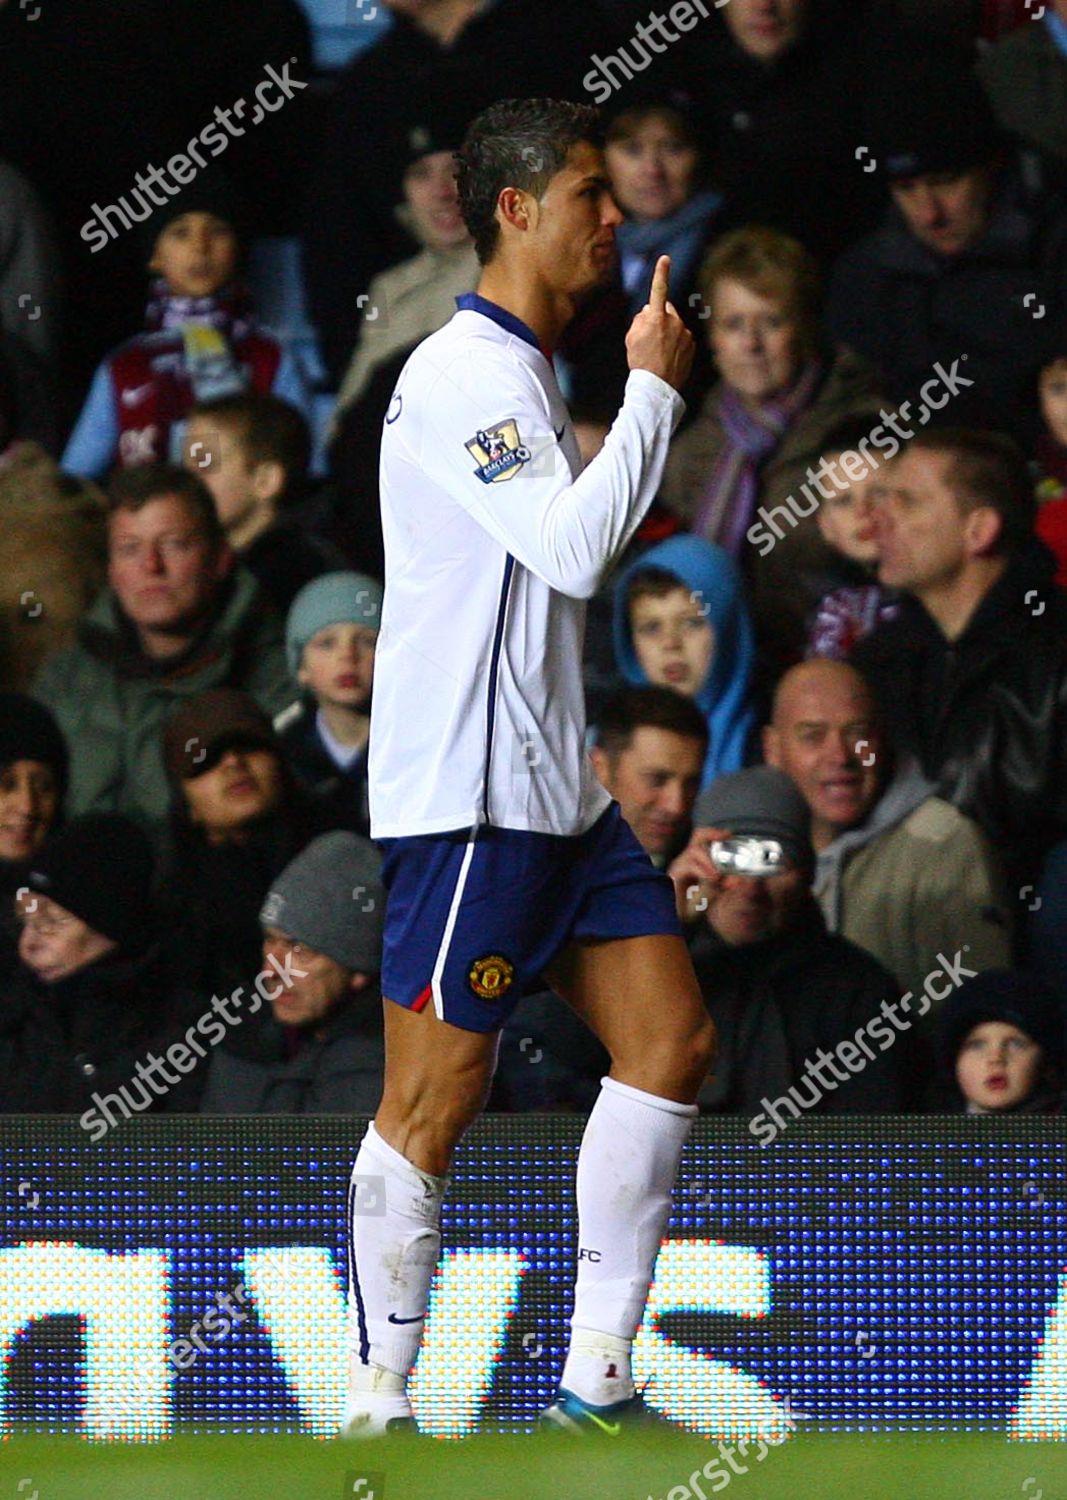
(611,1428)
(394,1319)
(136,394)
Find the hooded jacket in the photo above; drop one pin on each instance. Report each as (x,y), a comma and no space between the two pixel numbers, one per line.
(986,714)
(915,879)
(112,701)
(724,697)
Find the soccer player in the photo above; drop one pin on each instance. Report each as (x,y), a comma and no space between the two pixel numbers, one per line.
(506,863)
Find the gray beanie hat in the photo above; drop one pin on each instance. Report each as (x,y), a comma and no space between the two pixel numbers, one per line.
(333,599)
(761,803)
(331,897)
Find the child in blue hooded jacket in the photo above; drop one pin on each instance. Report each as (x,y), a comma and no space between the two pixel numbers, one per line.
(681,621)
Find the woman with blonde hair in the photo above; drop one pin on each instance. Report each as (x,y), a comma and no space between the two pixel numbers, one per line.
(761,426)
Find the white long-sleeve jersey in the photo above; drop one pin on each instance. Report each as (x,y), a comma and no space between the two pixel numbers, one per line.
(494,539)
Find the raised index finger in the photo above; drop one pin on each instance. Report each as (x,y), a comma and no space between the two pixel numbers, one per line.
(657,297)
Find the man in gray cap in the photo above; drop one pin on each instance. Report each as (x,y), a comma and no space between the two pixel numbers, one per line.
(321,1049)
(787,996)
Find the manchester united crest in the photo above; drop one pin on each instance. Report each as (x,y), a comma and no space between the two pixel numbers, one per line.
(491,977)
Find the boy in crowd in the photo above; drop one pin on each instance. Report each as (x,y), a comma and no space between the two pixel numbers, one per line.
(200,340)
(330,637)
(252,451)
(857,603)
(681,622)
(1003,1044)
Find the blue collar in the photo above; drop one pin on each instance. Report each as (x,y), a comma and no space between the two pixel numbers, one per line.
(1057,29)
(472,302)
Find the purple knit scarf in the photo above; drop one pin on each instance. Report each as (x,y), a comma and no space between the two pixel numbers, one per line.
(724,512)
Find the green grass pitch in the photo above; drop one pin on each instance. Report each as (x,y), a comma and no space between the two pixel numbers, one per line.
(634,1467)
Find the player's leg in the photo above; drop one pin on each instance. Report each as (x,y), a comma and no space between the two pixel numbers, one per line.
(640,997)
(437,1079)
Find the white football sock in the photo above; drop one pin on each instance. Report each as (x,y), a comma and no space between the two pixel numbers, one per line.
(394,1212)
(626,1170)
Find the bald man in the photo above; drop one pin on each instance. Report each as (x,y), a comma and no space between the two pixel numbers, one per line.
(899,871)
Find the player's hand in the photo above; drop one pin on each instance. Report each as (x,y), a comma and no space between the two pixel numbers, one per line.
(658,340)
(696,880)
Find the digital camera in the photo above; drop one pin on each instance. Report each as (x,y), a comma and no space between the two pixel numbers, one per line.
(754,857)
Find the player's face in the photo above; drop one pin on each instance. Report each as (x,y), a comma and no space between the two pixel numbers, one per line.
(163,568)
(313,995)
(742,910)
(55,943)
(673,640)
(998,1066)
(655,782)
(754,341)
(29,801)
(245,784)
(826,740)
(196,255)
(338,665)
(847,518)
(576,224)
(432,195)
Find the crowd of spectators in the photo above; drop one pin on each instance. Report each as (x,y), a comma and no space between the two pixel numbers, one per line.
(827,684)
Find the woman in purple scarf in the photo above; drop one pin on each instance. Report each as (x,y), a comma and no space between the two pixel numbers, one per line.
(759,431)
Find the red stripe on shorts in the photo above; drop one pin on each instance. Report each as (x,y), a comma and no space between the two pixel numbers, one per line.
(420,1001)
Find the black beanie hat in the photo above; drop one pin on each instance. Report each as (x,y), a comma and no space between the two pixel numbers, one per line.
(210,192)
(1009,995)
(444,98)
(929,113)
(99,868)
(29,732)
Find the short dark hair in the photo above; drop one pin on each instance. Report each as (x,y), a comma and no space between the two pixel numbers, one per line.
(519,143)
(269,430)
(650,707)
(986,468)
(652,583)
(132,489)
(849,434)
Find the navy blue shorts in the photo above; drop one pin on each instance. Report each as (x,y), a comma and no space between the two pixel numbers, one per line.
(474,918)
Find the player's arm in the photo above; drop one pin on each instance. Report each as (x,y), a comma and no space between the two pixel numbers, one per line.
(568,532)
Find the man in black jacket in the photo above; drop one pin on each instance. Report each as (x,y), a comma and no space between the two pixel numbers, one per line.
(800,1013)
(974,667)
(92,999)
(321,1048)
(968,269)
